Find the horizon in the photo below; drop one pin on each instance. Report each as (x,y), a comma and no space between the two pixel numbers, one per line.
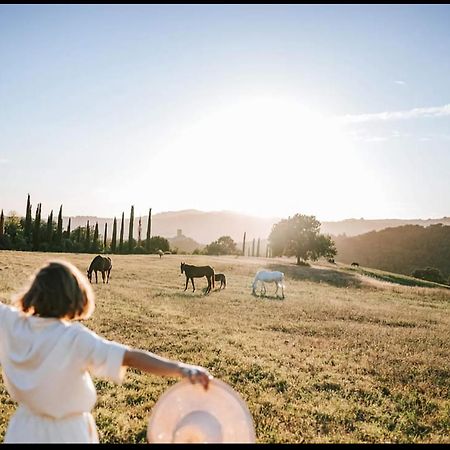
(261,110)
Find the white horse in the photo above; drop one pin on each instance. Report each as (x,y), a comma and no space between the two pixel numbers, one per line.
(265,276)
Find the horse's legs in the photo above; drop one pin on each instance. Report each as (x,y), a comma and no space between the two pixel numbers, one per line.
(276,292)
(192,281)
(187,281)
(103,276)
(96,279)
(109,272)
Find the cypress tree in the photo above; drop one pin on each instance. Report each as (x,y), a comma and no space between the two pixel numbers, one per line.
(37,227)
(253,247)
(87,242)
(95,240)
(114,237)
(121,233)
(257,248)
(28,221)
(2,223)
(139,231)
(243,244)
(59,229)
(149,228)
(130,230)
(50,227)
(105,236)
(68,228)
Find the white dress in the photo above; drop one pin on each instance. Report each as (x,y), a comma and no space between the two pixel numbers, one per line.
(46,364)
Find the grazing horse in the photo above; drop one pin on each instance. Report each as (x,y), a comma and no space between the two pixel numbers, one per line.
(355,264)
(192,272)
(265,276)
(101,263)
(221,277)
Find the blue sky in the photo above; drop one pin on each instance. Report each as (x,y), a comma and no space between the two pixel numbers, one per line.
(333,110)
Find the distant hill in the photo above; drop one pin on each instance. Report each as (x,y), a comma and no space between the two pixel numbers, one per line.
(205,227)
(399,249)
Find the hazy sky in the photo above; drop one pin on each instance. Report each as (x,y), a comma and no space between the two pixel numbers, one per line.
(333,110)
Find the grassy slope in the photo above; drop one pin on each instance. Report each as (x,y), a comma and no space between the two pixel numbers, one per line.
(344,358)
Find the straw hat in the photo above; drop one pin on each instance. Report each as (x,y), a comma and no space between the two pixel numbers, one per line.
(189,413)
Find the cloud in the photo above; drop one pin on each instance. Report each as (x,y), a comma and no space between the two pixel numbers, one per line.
(416,113)
(400,82)
(3,161)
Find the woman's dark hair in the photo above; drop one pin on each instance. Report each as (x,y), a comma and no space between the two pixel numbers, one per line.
(58,290)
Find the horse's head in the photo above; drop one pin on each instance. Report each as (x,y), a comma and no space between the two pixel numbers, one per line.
(182,267)
(89,275)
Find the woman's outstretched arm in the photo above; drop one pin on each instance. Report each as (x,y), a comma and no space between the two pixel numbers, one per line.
(157,365)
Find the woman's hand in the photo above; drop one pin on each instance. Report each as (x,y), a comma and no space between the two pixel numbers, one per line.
(196,374)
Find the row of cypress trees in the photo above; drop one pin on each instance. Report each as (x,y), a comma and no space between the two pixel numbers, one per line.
(18,233)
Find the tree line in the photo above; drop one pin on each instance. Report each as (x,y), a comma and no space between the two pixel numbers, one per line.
(37,234)
(423,252)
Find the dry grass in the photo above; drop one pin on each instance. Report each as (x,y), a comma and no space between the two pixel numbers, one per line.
(341,359)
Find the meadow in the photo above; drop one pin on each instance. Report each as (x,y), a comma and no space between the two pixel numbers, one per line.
(345,358)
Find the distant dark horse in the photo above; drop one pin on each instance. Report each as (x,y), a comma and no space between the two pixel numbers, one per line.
(101,263)
(192,272)
(221,277)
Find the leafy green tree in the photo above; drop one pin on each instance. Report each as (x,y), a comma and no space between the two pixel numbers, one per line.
(95,244)
(158,243)
(49,235)
(299,236)
(223,246)
(105,236)
(87,240)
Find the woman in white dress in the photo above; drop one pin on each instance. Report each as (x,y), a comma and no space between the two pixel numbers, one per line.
(47,357)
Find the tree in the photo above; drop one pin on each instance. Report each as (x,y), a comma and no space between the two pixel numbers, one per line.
(149,228)
(158,243)
(299,236)
(50,227)
(114,237)
(37,227)
(253,247)
(122,225)
(130,230)
(95,239)
(429,274)
(87,241)
(243,243)
(105,236)
(139,231)
(2,223)
(28,221)
(223,246)
(257,248)
(68,228)
(59,228)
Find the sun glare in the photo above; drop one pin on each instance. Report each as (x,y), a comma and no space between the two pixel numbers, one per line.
(266,156)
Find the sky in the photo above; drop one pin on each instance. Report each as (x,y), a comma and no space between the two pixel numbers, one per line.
(336,111)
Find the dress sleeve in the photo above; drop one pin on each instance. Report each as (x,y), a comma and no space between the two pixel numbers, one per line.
(102,358)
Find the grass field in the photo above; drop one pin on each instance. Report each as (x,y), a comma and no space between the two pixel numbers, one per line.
(344,358)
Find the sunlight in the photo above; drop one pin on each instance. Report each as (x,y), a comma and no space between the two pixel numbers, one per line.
(264,156)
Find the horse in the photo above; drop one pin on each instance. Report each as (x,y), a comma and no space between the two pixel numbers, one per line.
(101,263)
(160,253)
(221,277)
(265,276)
(355,264)
(192,272)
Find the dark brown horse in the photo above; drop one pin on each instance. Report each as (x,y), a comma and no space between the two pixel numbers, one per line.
(192,272)
(102,264)
(221,277)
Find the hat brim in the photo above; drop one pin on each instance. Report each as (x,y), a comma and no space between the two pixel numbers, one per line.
(189,413)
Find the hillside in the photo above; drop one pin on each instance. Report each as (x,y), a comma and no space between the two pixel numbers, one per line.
(205,227)
(400,249)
